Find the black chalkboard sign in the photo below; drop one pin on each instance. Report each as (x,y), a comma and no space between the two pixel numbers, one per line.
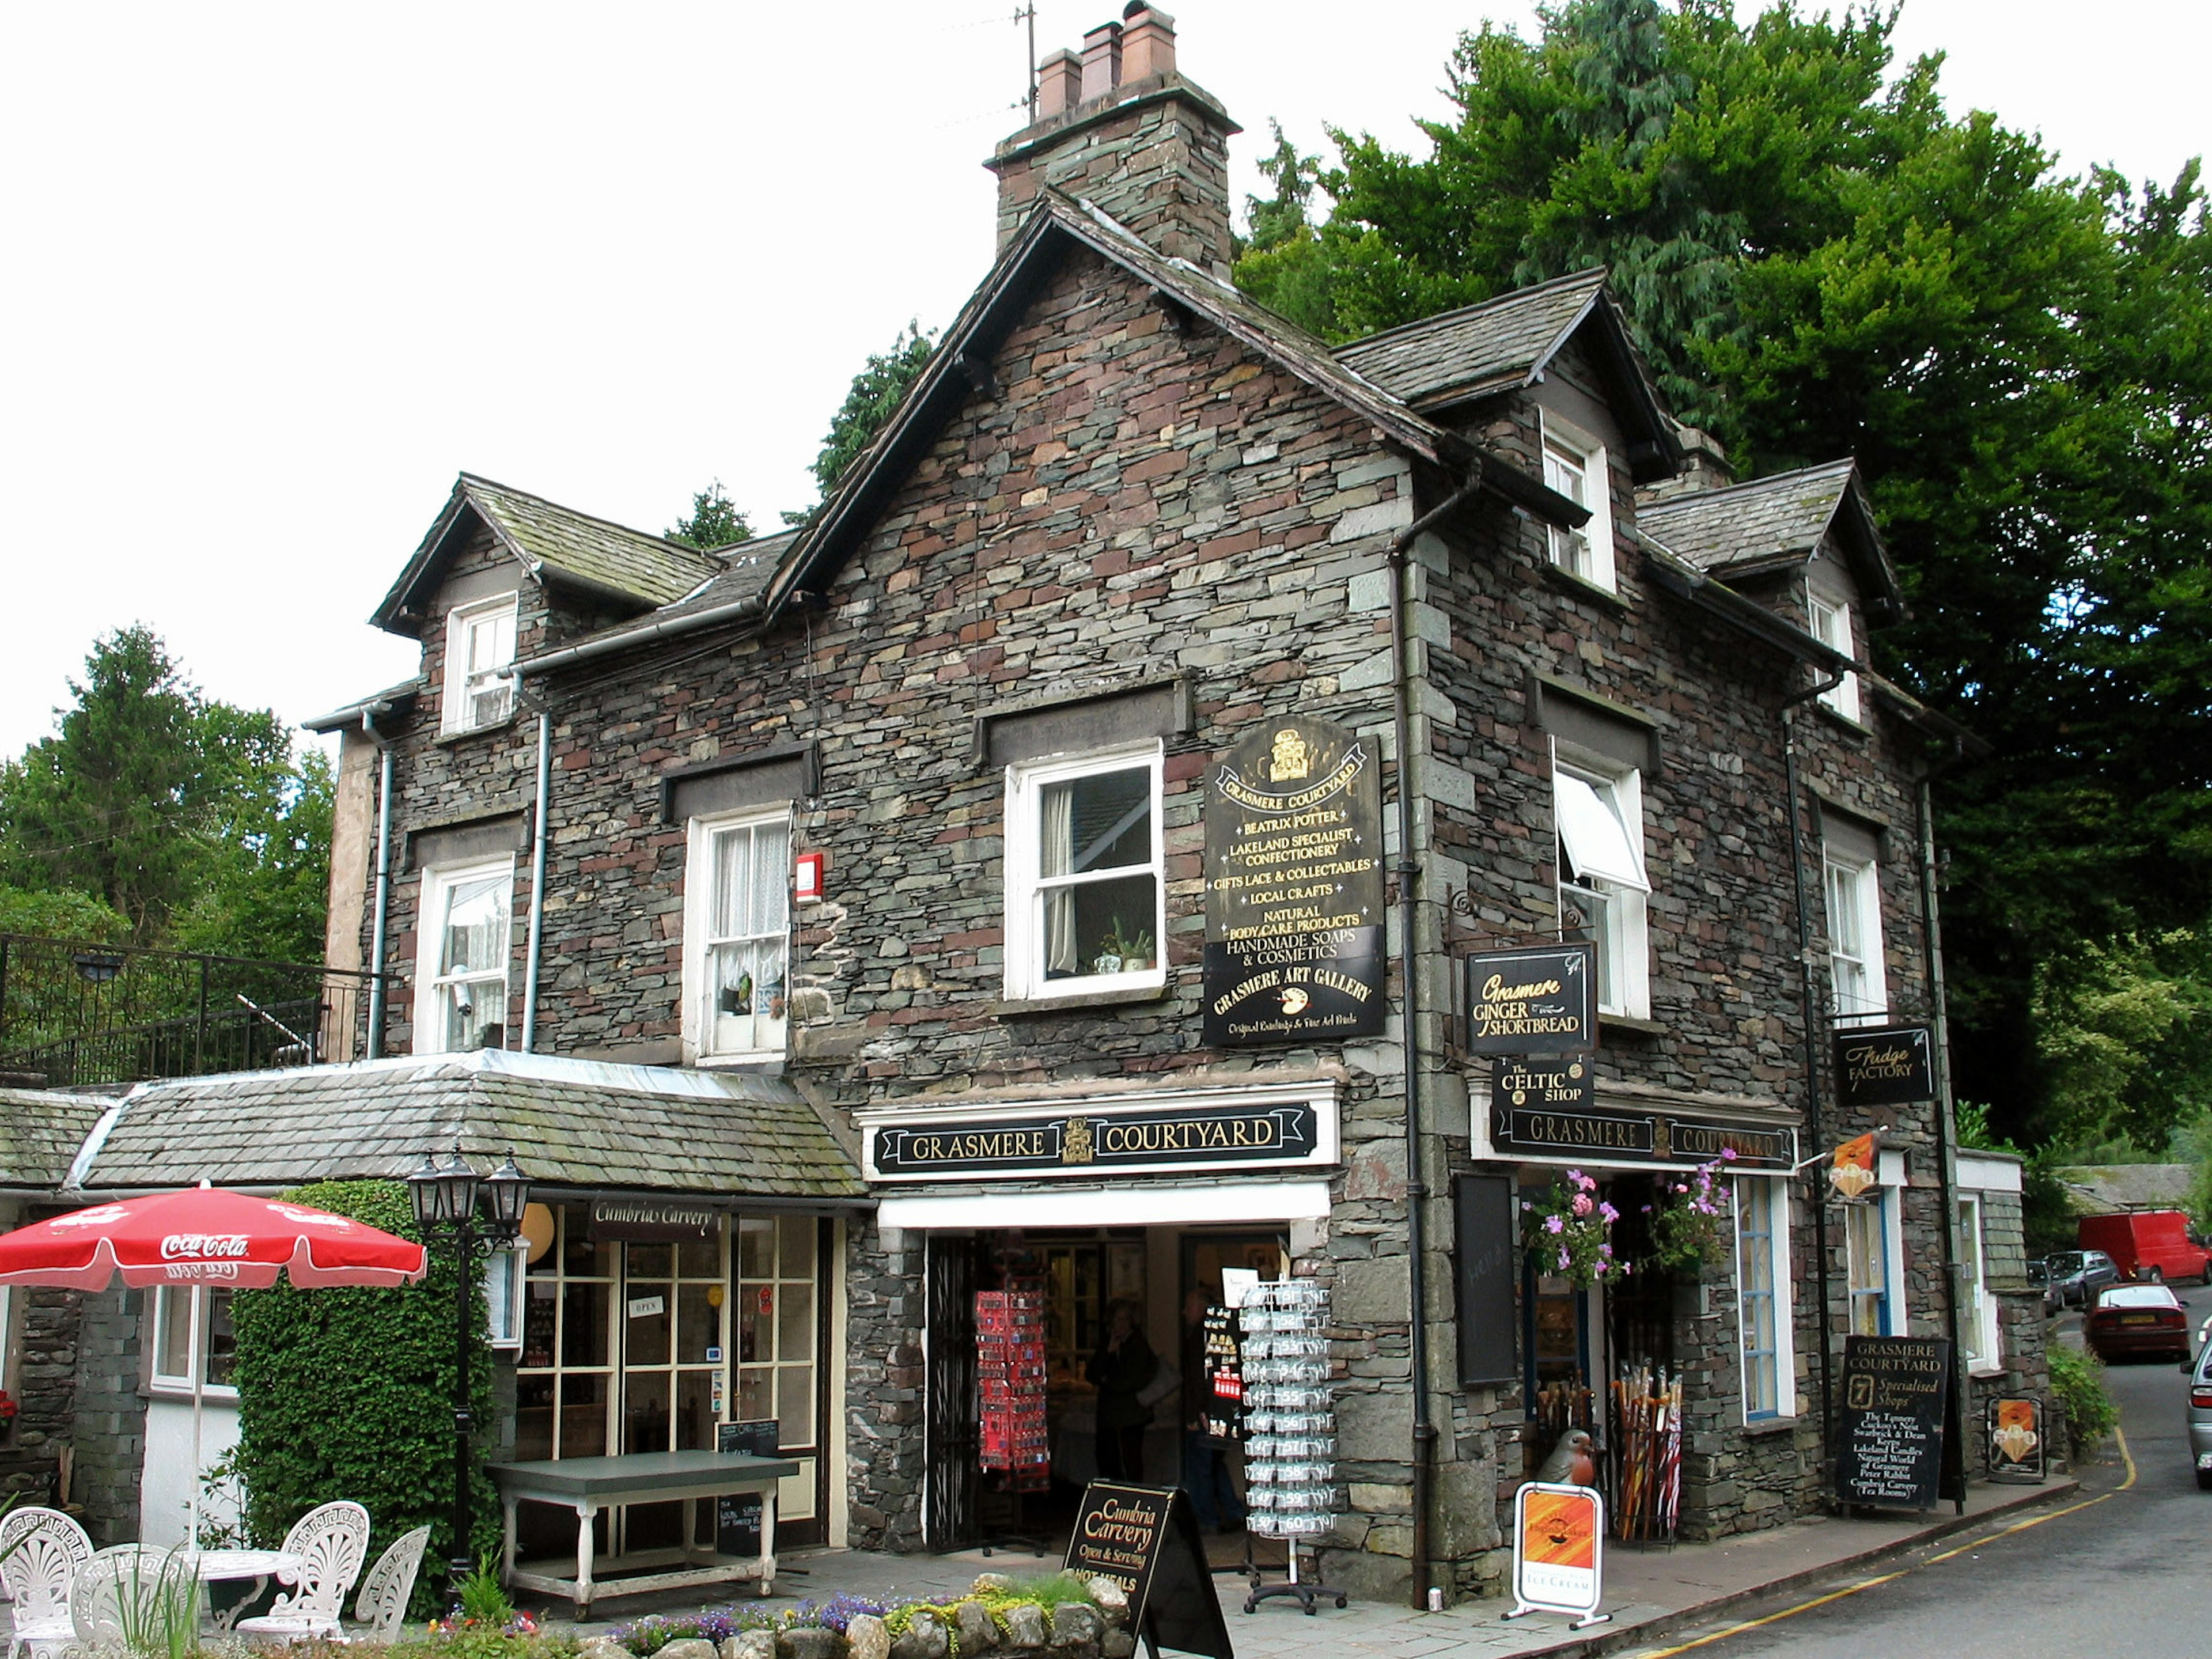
(1146,1539)
(737,1514)
(1895,1392)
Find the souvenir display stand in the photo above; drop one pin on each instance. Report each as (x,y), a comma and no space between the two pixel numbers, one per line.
(1010,1387)
(1289,1431)
(1647,1414)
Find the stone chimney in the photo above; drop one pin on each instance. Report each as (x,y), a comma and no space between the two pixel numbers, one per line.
(1117,126)
(1704,466)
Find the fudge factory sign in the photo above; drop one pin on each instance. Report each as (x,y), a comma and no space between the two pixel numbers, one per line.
(1888,1065)
(1294,887)
(1095,1140)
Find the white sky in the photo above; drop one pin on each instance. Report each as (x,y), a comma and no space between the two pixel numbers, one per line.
(274,273)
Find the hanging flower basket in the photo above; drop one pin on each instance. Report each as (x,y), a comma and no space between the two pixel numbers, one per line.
(1569,1234)
(1692,1217)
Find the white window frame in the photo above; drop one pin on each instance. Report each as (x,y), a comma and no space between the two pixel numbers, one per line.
(1572,457)
(174,1302)
(438,885)
(467,679)
(1832,626)
(1858,983)
(1870,1278)
(1026,783)
(1622,922)
(770,1032)
(1781,1378)
(502,1291)
(1977,1322)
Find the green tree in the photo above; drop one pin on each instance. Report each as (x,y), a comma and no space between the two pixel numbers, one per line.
(186,817)
(714,521)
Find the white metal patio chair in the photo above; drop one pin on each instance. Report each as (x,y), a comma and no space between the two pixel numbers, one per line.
(382,1608)
(331,1542)
(41,1552)
(128,1594)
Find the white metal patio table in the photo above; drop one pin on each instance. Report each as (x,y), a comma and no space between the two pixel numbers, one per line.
(588,1484)
(260,1565)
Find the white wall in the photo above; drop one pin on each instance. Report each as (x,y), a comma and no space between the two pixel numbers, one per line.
(166,1486)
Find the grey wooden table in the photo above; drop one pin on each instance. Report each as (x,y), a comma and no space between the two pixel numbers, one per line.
(588,1484)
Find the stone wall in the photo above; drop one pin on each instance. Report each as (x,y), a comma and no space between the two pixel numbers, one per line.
(110,1416)
(44,1385)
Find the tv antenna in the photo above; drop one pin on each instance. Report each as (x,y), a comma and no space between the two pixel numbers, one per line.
(1028,15)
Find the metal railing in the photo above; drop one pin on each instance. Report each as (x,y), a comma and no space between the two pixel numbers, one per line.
(74,1013)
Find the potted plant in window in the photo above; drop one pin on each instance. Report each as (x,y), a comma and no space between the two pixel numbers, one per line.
(1120,953)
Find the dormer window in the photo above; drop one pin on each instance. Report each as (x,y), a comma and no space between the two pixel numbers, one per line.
(479,651)
(1832,626)
(1575,465)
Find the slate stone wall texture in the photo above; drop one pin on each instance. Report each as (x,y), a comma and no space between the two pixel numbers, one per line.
(47,1329)
(110,1425)
(1138,502)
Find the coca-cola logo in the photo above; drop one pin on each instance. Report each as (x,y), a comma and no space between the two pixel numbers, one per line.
(311,1218)
(201,1246)
(176,1272)
(98,1216)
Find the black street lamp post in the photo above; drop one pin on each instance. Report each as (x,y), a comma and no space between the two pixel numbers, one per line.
(446,1211)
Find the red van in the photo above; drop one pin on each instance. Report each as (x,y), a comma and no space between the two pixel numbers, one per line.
(2147,1244)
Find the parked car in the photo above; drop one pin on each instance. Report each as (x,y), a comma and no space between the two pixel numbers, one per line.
(2151,1245)
(2200,1413)
(2039,1274)
(2078,1275)
(2138,1319)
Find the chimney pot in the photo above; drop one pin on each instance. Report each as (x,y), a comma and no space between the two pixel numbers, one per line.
(1060,83)
(1101,61)
(1147,43)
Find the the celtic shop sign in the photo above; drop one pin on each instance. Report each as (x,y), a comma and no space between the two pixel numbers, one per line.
(1294,889)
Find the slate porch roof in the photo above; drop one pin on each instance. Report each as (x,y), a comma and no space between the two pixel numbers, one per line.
(391,700)
(568,1122)
(555,542)
(739,588)
(39,1133)
(1782,518)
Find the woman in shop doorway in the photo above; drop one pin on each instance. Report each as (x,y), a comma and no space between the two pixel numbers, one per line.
(1122,1369)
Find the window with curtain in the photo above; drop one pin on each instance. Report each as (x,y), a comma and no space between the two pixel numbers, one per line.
(1602,881)
(737,954)
(462,954)
(1858,987)
(1977,1315)
(1085,894)
(1575,465)
(182,1352)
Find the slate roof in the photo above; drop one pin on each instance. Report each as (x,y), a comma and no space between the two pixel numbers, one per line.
(568,1122)
(41,1133)
(556,542)
(1478,349)
(748,567)
(1783,517)
(391,699)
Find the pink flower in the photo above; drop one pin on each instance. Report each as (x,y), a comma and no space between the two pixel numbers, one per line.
(1576,1176)
(1610,1214)
(1729,1153)
(1554,1224)
(1679,1187)
(1582,1204)
(1565,1261)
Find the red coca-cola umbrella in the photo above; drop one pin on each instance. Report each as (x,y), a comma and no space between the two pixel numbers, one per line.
(205,1236)
(201,1237)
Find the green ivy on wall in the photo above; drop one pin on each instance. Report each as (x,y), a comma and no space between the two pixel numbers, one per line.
(349,1393)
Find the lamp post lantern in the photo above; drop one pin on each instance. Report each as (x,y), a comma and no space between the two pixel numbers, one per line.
(446,1198)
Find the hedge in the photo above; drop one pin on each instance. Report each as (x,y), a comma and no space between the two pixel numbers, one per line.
(349,1393)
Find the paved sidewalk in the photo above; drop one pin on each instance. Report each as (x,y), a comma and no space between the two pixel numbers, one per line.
(1646,1591)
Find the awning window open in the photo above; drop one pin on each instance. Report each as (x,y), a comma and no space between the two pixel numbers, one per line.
(1598,843)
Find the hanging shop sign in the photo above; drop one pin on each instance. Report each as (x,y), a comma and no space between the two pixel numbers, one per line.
(1543,1133)
(1562,1084)
(1294,892)
(1538,1001)
(1894,1065)
(645,1221)
(1851,1167)
(1264,1131)
(1146,1539)
(2015,1430)
(1559,1552)
(1895,1389)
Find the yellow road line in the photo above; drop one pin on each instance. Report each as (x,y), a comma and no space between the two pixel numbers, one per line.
(2126,1457)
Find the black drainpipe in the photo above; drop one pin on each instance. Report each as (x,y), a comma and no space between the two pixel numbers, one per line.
(1947,1139)
(1408,869)
(1814,1119)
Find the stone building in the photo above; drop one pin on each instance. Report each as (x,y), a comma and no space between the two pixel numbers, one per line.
(906,816)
